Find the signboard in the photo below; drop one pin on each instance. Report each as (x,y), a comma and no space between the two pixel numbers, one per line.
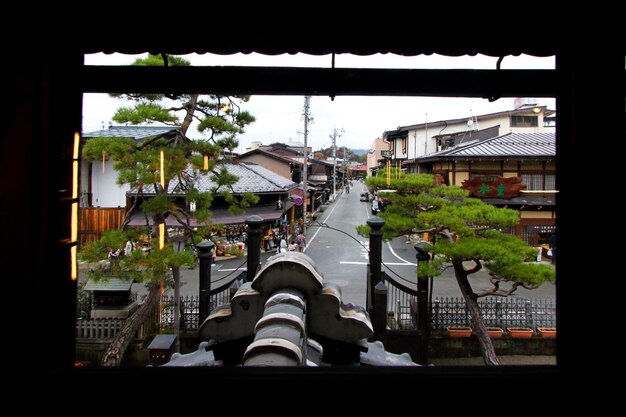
(493,186)
(298,201)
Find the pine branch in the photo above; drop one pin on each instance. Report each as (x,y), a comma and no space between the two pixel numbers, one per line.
(476,267)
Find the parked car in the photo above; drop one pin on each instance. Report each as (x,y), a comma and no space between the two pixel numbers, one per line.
(365,196)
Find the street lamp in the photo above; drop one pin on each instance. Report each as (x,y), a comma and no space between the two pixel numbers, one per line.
(204,253)
(178,244)
(422,303)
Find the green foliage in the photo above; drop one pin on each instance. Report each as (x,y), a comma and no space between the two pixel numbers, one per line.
(139,165)
(216,124)
(157,61)
(465,229)
(144,113)
(115,148)
(99,249)
(158,205)
(83,301)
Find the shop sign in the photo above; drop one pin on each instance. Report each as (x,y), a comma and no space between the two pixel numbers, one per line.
(494,186)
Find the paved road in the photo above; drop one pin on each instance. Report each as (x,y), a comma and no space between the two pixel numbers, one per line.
(341,255)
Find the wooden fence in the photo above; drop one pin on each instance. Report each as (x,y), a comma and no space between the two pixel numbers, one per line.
(93,221)
(98,328)
(110,327)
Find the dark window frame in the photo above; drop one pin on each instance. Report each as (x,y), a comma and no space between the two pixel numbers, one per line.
(42,125)
(524,121)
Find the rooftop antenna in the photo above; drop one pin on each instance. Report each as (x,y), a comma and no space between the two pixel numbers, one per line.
(472,123)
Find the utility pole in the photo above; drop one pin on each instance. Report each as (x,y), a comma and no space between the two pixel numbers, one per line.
(305,167)
(334,138)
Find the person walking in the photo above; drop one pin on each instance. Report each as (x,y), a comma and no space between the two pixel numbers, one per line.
(282,246)
(301,242)
(128,249)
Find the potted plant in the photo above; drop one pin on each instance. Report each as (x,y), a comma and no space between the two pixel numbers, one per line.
(548,332)
(495,332)
(520,332)
(459,331)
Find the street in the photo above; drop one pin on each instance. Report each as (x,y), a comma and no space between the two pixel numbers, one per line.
(341,256)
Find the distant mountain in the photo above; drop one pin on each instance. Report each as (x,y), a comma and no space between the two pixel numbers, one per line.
(360,152)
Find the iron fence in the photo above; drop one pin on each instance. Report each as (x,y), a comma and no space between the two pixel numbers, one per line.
(189,309)
(496,312)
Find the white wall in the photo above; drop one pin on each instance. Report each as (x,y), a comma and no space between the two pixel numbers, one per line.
(106,192)
(420,141)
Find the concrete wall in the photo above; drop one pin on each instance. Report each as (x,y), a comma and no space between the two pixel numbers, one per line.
(106,192)
(373,157)
(278,167)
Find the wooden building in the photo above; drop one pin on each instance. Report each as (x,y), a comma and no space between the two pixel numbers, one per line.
(515,170)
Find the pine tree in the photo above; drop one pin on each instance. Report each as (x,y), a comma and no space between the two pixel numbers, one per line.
(219,119)
(464,231)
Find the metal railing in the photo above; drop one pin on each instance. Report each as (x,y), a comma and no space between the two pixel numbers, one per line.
(190,305)
(496,312)
(399,300)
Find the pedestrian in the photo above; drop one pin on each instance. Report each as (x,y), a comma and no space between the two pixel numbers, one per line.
(539,253)
(128,249)
(301,242)
(282,246)
(553,248)
(113,257)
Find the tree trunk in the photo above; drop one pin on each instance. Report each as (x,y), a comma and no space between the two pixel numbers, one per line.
(489,354)
(115,351)
(190,107)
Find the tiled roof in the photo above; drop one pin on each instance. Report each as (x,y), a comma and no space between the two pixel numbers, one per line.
(401,131)
(252,178)
(111,284)
(134,132)
(509,145)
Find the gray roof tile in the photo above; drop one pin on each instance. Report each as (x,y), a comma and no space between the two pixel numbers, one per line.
(134,132)
(509,145)
(252,178)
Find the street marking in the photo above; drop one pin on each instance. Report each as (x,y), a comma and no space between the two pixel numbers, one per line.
(394,254)
(365,244)
(320,228)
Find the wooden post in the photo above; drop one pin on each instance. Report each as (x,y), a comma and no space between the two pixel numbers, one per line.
(380,312)
(254,245)
(423,317)
(376,249)
(291,222)
(97,223)
(204,253)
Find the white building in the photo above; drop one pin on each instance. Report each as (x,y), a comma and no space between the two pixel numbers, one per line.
(375,154)
(407,143)
(98,179)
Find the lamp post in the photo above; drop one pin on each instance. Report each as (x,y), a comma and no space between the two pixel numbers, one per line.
(255,223)
(204,248)
(422,304)
(178,245)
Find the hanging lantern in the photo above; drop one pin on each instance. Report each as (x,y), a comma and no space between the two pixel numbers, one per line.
(104,155)
(206,162)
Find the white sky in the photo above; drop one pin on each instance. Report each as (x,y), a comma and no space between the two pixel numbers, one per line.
(279,118)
